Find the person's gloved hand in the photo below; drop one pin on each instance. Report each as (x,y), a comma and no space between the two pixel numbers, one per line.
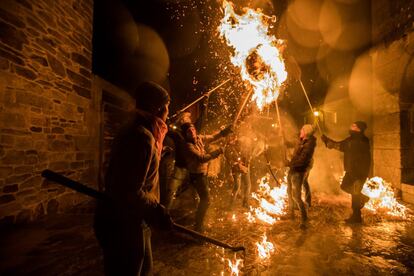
(163,217)
(226,131)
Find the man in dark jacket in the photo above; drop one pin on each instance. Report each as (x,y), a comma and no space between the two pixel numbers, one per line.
(299,171)
(131,184)
(197,164)
(357,162)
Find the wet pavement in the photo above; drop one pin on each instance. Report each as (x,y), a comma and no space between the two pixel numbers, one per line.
(65,244)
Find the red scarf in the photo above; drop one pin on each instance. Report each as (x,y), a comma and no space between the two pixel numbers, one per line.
(157,127)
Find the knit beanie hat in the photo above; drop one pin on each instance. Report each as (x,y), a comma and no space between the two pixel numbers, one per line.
(361,125)
(150,96)
(185,127)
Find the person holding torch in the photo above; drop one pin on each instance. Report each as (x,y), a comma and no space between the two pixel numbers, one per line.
(197,163)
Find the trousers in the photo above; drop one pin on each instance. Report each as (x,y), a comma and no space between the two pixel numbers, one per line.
(296,181)
(126,247)
(241,183)
(200,182)
(176,181)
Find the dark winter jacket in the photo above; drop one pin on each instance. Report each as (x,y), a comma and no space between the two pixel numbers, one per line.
(196,155)
(238,157)
(131,180)
(357,155)
(179,146)
(303,154)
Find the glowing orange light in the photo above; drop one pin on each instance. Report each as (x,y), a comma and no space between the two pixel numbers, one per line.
(233,217)
(381,198)
(234,266)
(265,248)
(272,202)
(256,52)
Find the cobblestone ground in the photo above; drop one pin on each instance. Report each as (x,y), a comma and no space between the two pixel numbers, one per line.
(65,244)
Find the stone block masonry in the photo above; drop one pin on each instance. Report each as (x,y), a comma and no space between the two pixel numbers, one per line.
(393,100)
(49,117)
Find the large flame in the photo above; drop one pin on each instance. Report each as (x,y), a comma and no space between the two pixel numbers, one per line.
(272,202)
(381,198)
(256,52)
(234,266)
(265,248)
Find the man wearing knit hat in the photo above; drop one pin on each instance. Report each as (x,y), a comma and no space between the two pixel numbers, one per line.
(300,165)
(357,162)
(131,184)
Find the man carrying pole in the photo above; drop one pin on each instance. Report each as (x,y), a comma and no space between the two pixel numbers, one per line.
(357,162)
(180,172)
(197,163)
(239,156)
(300,165)
(131,181)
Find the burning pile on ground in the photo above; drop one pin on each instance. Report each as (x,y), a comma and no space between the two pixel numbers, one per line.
(271,202)
(382,199)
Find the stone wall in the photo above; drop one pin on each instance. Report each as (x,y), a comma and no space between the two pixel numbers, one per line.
(393,97)
(48,114)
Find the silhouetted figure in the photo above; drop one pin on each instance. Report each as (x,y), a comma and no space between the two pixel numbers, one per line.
(180,172)
(197,163)
(131,184)
(357,162)
(300,166)
(239,157)
(178,179)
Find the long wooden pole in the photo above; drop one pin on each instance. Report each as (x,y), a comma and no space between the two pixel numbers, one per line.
(242,107)
(281,130)
(202,237)
(310,106)
(207,94)
(83,189)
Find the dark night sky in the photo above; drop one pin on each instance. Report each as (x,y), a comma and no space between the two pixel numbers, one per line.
(174,43)
(185,28)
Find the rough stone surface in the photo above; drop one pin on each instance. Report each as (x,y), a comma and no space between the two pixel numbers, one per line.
(11,188)
(52,206)
(392,60)
(6,198)
(24,216)
(43,58)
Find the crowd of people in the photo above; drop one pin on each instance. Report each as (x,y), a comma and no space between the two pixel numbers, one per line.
(139,198)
